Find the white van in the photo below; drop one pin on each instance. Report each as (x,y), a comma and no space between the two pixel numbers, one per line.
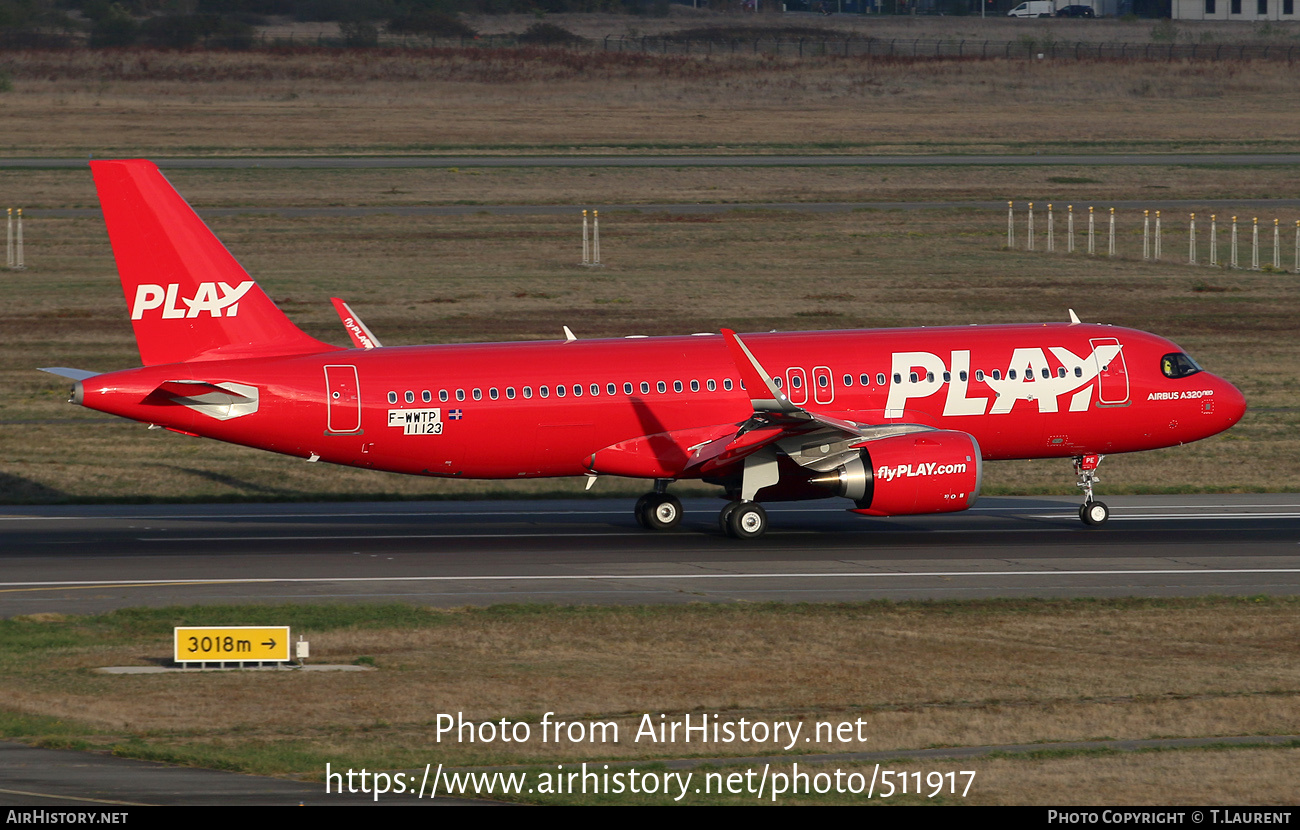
(1034,8)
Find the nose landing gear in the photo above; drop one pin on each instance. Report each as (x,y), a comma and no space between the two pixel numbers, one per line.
(1092,513)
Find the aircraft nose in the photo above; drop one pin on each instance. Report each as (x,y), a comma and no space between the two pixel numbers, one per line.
(1229,402)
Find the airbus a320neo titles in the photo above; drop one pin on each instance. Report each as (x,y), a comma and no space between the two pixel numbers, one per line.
(900,421)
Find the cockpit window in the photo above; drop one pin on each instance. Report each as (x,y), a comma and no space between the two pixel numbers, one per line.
(1178,365)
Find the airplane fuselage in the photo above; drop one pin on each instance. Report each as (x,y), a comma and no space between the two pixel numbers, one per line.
(513,410)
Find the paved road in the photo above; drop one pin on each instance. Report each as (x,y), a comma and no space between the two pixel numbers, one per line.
(1192,205)
(720,160)
(90,559)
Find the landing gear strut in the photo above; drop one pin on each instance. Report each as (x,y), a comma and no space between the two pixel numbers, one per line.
(658,510)
(1092,513)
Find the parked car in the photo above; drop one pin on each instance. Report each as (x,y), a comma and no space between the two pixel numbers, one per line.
(1075,11)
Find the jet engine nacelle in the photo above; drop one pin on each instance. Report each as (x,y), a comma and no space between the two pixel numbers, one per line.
(937,471)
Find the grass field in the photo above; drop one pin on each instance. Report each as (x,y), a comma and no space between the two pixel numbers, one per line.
(142,103)
(1050,671)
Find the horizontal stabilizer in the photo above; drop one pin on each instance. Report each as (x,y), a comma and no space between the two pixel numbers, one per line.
(220,401)
(71,374)
(197,388)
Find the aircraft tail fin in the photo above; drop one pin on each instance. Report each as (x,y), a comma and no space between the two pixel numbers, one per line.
(188,297)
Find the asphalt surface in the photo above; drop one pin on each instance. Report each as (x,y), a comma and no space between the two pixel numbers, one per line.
(92,559)
(87,559)
(99,783)
(648,160)
(1224,205)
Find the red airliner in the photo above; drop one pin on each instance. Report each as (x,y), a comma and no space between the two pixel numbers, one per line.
(898,420)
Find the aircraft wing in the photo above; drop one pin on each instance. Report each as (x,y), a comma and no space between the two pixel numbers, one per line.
(811,439)
(778,421)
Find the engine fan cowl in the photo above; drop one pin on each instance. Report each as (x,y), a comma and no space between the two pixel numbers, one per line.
(938,471)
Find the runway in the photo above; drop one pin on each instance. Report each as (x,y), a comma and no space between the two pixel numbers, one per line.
(721,159)
(93,559)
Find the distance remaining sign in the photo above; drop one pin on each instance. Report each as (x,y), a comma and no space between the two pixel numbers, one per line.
(231,643)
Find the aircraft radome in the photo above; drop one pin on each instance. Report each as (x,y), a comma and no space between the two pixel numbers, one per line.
(900,421)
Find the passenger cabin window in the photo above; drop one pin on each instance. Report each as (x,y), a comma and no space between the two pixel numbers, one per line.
(848,380)
(410,396)
(559,391)
(442,395)
(425,396)
(1078,371)
(880,378)
(611,388)
(662,387)
(712,386)
(460,394)
(493,394)
(677,386)
(627,389)
(726,384)
(392,397)
(979,374)
(478,394)
(865,380)
(528,391)
(695,386)
(1178,365)
(510,392)
(544,391)
(645,388)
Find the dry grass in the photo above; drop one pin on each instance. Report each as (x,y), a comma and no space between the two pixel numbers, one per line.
(417,280)
(1000,28)
(585,187)
(1045,672)
(456,99)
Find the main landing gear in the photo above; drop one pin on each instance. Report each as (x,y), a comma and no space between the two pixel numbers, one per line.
(661,511)
(743,520)
(1092,513)
(658,510)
